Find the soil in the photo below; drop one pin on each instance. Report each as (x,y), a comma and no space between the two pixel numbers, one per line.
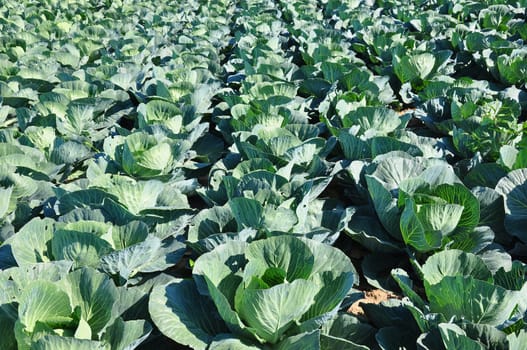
(374,296)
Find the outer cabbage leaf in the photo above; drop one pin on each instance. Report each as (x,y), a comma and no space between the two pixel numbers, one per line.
(455,263)
(127,335)
(55,342)
(475,300)
(455,338)
(83,248)
(513,188)
(31,243)
(184,315)
(94,293)
(42,305)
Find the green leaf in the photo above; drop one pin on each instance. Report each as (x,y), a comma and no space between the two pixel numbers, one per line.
(485,174)
(368,231)
(512,67)
(31,244)
(455,263)
(247,212)
(385,144)
(44,302)
(225,308)
(126,335)
(353,147)
(396,337)
(55,342)
(424,226)
(127,262)
(223,267)
(89,226)
(459,194)
(475,300)
(74,89)
(209,222)
(82,199)
(79,120)
(69,55)
(83,330)
(250,165)
(405,283)
(303,154)
(94,293)
(455,338)
(315,87)
(281,144)
(389,173)
(518,341)
(168,255)
(279,219)
(270,312)
(127,235)
(376,268)
(226,342)
(333,275)
(419,65)
(211,242)
(513,279)
(273,276)
(408,67)
(69,152)
(302,341)
(508,156)
(135,195)
(332,71)
(145,155)
(50,271)
(7,320)
(184,315)
(328,342)
(5,198)
(285,252)
(490,336)
(84,249)
(513,187)
(159,111)
(495,257)
(347,332)
(474,242)
(372,121)
(385,206)
(492,212)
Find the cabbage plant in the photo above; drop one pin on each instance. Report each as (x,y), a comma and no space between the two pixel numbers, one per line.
(264,292)
(43,306)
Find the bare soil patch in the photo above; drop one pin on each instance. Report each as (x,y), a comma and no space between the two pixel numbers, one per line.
(374,296)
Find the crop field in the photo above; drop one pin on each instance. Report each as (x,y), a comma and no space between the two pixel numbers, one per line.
(263,174)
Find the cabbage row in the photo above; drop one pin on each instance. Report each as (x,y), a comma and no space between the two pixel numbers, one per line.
(235,174)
